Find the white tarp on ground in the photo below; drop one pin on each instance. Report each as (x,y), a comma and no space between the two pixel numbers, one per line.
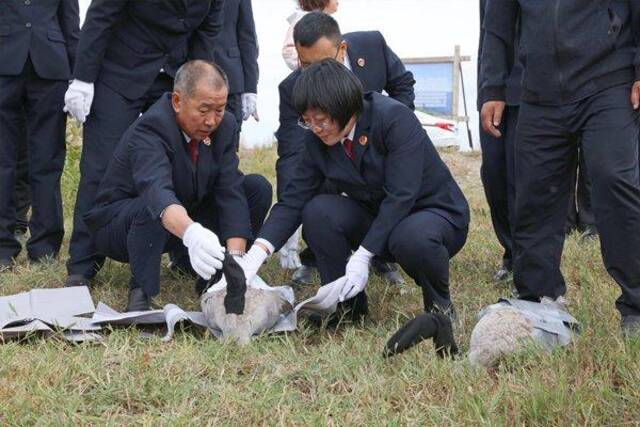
(48,310)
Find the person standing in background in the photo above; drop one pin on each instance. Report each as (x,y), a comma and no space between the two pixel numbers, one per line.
(37,45)
(236,52)
(289,52)
(582,84)
(497,170)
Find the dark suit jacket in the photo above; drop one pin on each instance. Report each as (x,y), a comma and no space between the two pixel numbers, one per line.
(151,161)
(125,43)
(381,69)
(397,172)
(236,47)
(514,81)
(47,30)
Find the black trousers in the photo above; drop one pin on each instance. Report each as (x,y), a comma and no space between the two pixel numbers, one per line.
(546,151)
(41,101)
(23,193)
(140,240)
(111,115)
(422,243)
(498,179)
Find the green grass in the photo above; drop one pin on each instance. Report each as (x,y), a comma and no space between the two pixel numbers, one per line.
(324,377)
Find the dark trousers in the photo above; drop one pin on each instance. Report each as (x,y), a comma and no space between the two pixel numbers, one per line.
(546,151)
(234,107)
(111,115)
(23,193)
(140,240)
(498,179)
(581,216)
(40,101)
(422,243)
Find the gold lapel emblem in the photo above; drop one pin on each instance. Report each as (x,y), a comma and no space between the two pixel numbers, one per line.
(363,140)
(361,62)
(207,141)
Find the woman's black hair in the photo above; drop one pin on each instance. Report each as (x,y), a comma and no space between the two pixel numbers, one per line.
(329,87)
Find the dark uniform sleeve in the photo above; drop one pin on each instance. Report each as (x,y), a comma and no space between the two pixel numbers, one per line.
(248,44)
(286,215)
(102,17)
(400,81)
(152,171)
(290,136)
(202,41)
(635,25)
(403,137)
(69,18)
(500,21)
(231,201)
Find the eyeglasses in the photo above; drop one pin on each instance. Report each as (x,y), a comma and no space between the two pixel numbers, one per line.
(309,126)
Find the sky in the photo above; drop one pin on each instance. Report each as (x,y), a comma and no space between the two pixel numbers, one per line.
(412,28)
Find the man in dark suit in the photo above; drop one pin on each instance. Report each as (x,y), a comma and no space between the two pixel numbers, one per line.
(236,51)
(37,46)
(395,197)
(174,180)
(581,84)
(497,170)
(317,36)
(127,56)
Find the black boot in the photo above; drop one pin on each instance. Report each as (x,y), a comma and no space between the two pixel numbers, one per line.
(138,300)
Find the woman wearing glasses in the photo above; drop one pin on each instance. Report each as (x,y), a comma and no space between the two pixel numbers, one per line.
(397,199)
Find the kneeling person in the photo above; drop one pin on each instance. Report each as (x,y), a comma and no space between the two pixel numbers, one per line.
(174,175)
(397,199)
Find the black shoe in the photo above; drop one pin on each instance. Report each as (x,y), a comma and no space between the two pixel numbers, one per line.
(630,325)
(503,274)
(353,310)
(589,233)
(387,271)
(6,264)
(138,300)
(303,275)
(76,280)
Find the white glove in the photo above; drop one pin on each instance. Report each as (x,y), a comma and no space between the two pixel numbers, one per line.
(205,251)
(250,106)
(289,258)
(252,261)
(357,273)
(78,99)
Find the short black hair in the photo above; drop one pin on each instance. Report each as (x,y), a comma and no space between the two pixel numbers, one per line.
(328,86)
(192,72)
(315,25)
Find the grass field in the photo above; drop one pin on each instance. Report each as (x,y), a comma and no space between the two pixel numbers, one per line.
(324,377)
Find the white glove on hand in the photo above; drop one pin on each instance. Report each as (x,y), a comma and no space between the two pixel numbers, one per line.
(205,251)
(289,257)
(252,261)
(78,99)
(357,273)
(250,106)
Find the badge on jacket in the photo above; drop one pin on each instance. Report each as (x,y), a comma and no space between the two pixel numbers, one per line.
(363,140)
(361,62)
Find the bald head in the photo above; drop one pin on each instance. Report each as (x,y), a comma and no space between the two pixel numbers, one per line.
(199,98)
(199,72)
